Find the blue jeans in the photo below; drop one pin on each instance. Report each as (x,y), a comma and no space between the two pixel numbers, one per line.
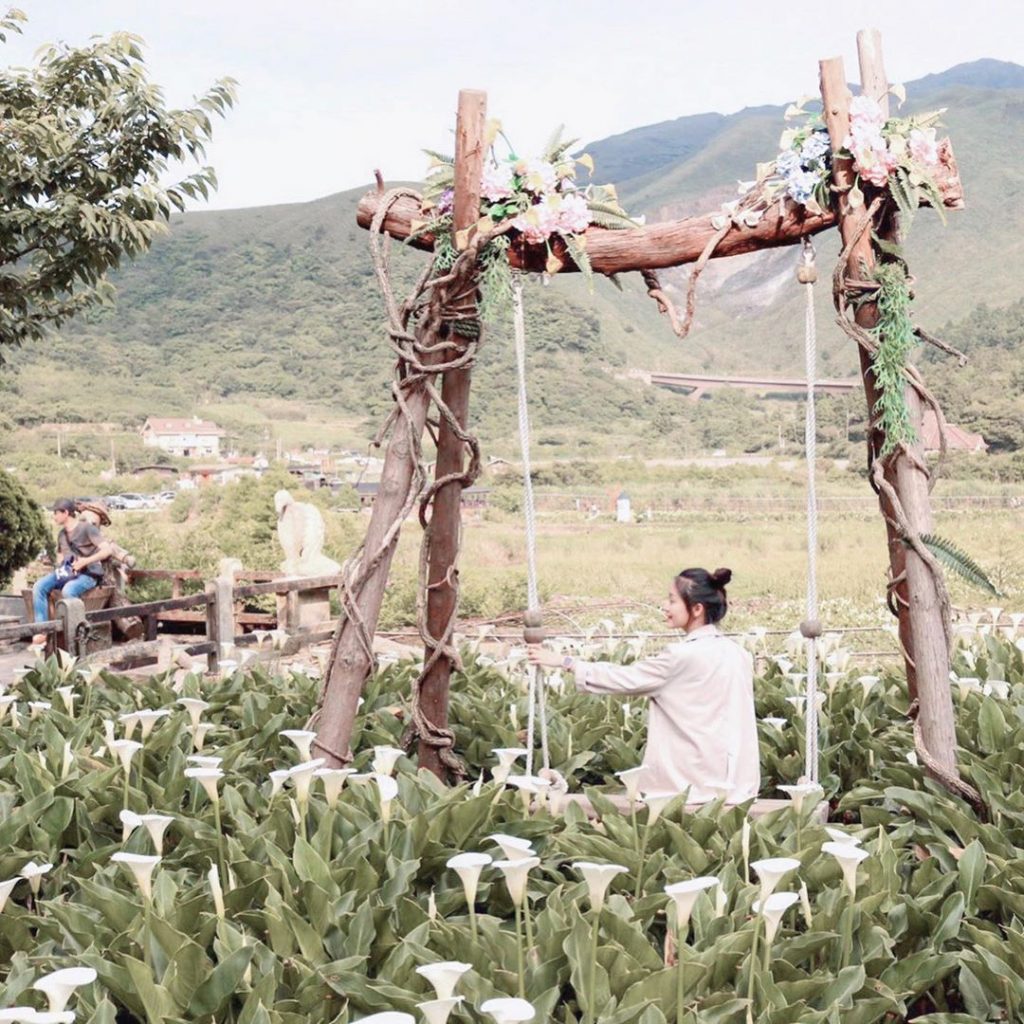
(73,588)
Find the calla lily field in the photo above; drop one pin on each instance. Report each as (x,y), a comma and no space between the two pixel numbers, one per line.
(253,885)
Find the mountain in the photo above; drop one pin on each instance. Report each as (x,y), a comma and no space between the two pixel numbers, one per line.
(269,319)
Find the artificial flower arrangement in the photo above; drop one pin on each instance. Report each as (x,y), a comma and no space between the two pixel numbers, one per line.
(898,153)
(539,201)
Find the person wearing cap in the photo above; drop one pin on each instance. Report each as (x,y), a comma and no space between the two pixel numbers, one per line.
(81,552)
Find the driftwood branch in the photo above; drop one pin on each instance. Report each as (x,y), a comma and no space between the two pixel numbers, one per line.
(655,246)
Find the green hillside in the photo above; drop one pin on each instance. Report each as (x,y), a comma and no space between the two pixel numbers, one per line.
(269,319)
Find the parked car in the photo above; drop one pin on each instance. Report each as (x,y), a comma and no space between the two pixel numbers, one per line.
(133,501)
(115,502)
(165,497)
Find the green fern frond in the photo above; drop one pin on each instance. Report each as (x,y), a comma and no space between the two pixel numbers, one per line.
(554,142)
(952,557)
(611,216)
(440,157)
(581,259)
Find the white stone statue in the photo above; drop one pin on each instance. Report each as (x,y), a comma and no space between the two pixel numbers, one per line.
(300,529)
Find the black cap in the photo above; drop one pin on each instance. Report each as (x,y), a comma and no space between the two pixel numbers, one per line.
(65,505)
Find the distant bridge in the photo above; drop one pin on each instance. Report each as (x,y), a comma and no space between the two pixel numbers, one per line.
(694,384)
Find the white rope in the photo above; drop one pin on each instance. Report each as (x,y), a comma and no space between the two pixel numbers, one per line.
(536,693)
(810,449)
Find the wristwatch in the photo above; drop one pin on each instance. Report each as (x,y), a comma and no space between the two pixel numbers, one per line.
(568,663)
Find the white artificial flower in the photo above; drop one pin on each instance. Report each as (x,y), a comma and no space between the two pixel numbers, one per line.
(147,719)
(213,879)
(37,707)
(5,890)
(68,696)
(204,761)
(278,777)
(301,776)
(199,734)
(507,757)
(130,821)
(387,790)
(598,877)
(839,836)
(156,826)
(656,803)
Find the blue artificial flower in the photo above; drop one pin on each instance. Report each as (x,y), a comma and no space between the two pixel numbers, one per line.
(815,145)
(787,162)
(801,185)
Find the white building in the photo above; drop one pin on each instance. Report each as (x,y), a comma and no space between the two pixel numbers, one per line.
(191,438)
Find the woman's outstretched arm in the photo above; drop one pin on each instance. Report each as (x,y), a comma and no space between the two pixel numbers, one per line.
(641,678)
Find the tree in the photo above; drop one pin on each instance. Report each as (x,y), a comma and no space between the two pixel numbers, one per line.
(23,532)
(84,140)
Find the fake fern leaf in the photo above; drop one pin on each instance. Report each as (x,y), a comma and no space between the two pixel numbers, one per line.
(905,195)
(580,258)
(608,216)
(441,158)
(952,557)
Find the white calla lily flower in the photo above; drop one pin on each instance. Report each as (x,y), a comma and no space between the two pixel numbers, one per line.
(148,719)
(129,720)
(278,777)
(631,779)
(598,877)
(208,779)
(516,872)
(656,803)
(301,776)
(468,867)
(303,741)
(771,871)
(437,1011)
(199,734)
(204,761)
(333,780)
(59,986)
(772,908)
(388,1016)
(509,1010)
(156,825)
(33,874)
(513,847)
(387,790)
(384,760)
(130,821)
(20,1015)
(213,879)
(838,836)
(68,696)
(141,866)
(684,896)
(37,707)
(800,793)
(6,889)
(849,856)
(125,751)
(507,757)
(195,708)
(444,976)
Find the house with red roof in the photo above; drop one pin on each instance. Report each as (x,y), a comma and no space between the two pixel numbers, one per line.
(190,438)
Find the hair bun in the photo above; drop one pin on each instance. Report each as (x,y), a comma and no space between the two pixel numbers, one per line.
(721,577)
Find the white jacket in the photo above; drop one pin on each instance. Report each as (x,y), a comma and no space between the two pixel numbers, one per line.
(701,729)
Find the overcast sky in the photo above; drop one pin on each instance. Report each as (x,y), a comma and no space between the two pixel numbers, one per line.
(330,90)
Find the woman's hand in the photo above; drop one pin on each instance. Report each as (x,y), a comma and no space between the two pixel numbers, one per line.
(538,655)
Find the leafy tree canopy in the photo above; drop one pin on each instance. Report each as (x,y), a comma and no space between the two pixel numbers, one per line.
(84,140)
(23,531)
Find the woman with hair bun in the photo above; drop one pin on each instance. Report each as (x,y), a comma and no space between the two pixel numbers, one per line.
(701,731)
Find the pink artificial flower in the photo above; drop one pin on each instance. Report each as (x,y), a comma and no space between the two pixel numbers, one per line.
(923,148)
(866,111)
(496,182)
(573,214)
(537,223)
(540,176)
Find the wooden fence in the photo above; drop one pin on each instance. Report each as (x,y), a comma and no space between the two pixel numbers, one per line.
(302,613)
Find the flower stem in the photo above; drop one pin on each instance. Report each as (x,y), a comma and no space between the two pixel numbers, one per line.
(519,947)
(640,863)
(472,921)
(846,947)
(127,784)
(753,965)
(225,881)
(528,917)
(592,986)
(680,979)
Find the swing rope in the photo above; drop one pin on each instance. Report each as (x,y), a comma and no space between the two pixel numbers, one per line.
(536,690)
(811,628)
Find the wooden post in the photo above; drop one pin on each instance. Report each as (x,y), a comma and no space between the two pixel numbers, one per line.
(920,613)
(446,516)
(71,612)
(220,618)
